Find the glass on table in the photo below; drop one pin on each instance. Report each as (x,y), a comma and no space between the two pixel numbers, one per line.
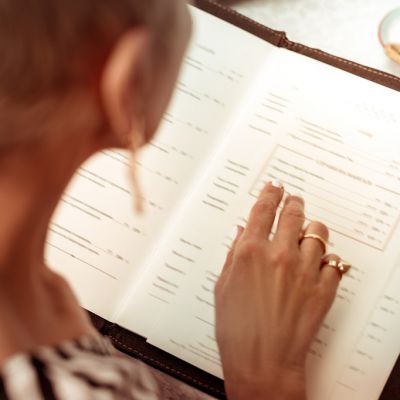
(389,34)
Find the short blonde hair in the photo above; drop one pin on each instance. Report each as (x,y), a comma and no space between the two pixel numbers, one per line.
(47,46)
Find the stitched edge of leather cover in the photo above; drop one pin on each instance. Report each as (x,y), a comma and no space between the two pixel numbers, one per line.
(278,38)
(135,345)
(229,15)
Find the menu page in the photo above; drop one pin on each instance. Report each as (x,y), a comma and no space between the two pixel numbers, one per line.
(96,241)
(373,356)
(333,137)
(221,51)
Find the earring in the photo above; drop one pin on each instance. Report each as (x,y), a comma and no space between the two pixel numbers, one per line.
(136,140)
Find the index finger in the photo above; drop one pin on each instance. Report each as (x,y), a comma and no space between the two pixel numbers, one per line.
(291,221)
(263,213)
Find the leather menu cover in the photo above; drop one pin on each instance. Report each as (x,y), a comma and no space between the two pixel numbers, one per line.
(279,39)
(137,346)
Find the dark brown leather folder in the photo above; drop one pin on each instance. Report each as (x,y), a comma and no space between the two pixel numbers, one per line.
(137,346)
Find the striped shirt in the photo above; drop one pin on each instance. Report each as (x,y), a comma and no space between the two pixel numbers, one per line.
(86,369)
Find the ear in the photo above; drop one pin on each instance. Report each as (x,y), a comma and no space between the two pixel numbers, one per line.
(121,72)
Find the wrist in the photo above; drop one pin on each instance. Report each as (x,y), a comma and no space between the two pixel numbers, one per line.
(276,384)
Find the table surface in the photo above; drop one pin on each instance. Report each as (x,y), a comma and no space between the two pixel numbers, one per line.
(346,28)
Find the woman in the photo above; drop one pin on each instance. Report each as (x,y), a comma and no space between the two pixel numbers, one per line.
(78,77)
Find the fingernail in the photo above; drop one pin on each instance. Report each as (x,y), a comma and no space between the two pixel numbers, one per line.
(296,196)
(234,232)
(277,184)
(239,231)
(298,193)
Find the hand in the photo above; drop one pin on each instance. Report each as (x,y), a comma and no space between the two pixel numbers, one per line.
(271,299)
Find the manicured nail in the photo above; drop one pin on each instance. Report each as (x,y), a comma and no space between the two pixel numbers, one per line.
(236,230)
(236,233)
(239,232)
(298,193)
(296,196)
(277,184)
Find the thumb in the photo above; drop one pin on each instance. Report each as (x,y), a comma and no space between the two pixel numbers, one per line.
(229,257)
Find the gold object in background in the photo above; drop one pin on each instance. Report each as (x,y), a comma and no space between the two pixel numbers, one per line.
(393,52)
(389,34)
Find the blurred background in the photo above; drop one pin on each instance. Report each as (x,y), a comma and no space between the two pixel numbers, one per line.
(346,28)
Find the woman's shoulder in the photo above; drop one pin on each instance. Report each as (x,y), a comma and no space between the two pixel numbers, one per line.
(88,368)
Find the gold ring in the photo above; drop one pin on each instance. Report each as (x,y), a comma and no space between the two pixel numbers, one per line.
(344,267)
(340,266)
(323,242)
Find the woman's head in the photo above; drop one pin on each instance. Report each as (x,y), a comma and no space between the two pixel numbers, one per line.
(125,53)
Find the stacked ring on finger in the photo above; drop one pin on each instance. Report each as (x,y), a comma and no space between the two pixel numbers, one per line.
(340,266)
(320,239)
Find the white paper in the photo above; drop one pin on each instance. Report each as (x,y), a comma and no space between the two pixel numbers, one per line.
(96,241)
(340,151)
(214,44)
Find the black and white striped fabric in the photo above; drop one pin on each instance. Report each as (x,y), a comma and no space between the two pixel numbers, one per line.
(86,369)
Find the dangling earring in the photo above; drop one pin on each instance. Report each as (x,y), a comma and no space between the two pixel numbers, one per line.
(136,140)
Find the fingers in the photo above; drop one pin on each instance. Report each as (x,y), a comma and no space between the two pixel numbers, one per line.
(239,232)
(262,215)
(291,221)
(228,261)
(312,249)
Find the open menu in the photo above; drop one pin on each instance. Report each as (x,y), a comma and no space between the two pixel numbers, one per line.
(244,113)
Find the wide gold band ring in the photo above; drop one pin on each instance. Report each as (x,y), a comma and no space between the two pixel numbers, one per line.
(341,266)
(320,239)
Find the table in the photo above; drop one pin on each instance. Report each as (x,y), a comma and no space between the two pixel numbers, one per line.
(346,28)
